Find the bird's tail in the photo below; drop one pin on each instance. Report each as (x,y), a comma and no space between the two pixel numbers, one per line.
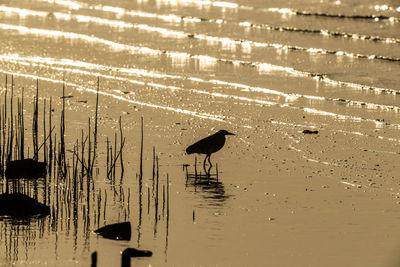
(190,150)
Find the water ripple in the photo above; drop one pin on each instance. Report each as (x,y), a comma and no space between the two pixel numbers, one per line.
(51,62)
(224,40)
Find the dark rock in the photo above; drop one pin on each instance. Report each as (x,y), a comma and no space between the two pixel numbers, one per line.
(119,231)
(25,168)
(20,206)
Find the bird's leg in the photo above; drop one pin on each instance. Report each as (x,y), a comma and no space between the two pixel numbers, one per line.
(208,172)
(204,163)
(209,160)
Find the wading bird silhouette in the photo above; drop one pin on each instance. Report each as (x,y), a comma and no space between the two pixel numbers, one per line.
(209,145)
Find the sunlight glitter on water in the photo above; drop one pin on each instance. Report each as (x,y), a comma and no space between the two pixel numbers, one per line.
(70,4)
(141,72)
(282,10)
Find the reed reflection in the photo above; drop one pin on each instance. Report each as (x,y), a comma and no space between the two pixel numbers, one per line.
(57,199)
(157,200)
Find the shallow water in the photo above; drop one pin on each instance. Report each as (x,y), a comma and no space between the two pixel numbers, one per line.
(265,70)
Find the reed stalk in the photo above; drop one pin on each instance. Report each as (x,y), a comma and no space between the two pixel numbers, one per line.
(95,128)
(50,140)
(141,149)
(62,159)
(122,141)
(11,128)
(35,123)
(44,133)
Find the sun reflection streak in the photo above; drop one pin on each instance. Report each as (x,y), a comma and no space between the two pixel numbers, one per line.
(289,97)
(23,12)
(90,66)
(285,11)
(77,36)
(226,43)
(219,118)
(71,4)
(101,21)
(225,4)
(153,84)
(201,3)
(222,118)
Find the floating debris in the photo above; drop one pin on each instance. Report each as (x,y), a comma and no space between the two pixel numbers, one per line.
(310,132)
(66,96)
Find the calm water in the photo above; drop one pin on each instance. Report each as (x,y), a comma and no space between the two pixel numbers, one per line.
(239,64)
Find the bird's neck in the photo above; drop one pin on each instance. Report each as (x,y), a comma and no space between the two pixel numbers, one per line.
(125,261)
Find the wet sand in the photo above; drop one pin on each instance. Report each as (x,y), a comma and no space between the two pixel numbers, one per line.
(291,198)
(283,198)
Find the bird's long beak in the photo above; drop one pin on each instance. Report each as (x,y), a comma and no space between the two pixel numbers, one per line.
(228,133)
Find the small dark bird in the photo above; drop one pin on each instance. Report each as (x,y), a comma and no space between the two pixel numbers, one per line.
(209,145)
(127,254)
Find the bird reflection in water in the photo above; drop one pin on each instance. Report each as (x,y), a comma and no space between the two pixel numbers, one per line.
(207,183)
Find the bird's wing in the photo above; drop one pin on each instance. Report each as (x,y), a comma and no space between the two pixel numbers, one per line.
(202,146)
